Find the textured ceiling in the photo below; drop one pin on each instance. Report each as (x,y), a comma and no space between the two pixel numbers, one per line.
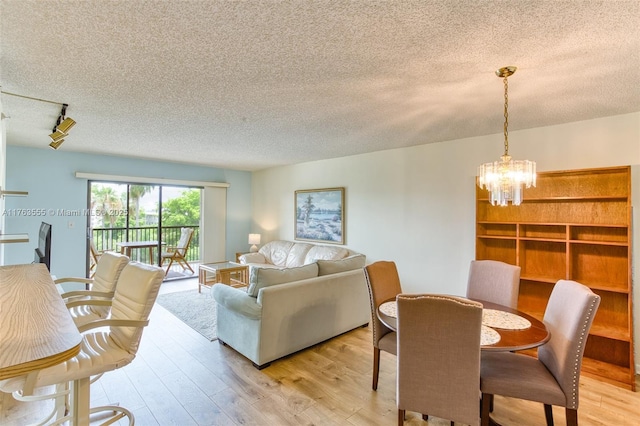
(255,84)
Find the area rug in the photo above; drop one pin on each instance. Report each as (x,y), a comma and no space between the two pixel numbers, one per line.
(178,275)
(197,310)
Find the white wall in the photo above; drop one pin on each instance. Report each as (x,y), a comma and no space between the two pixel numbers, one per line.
(416,205)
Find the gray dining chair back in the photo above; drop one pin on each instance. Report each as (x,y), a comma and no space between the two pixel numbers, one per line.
(494,281)
(554,377)
(439,357)
(383,283)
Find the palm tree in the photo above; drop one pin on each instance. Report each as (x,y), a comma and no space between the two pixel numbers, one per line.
(136,192)
(107,202)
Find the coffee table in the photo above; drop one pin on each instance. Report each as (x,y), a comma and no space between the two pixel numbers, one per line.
(229,273)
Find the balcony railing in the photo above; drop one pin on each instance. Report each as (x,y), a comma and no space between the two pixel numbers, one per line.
(108,239)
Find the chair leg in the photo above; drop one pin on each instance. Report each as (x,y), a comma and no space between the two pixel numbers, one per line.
(59,412)
(400,417)
(169,266)
(548,415)
(376,367)
(484,411)
(572,417)
(188,266)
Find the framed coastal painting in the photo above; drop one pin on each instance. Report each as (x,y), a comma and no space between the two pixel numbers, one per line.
(319,215)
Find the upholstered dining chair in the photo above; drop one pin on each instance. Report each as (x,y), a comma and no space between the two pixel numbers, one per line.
(102,349)
(439,357)
(383,283)
(178,253)
(102,286)
(554,377)
(494,281)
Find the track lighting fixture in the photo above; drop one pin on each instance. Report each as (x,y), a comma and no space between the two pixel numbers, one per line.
(63,124)
(61,129)
(56,144)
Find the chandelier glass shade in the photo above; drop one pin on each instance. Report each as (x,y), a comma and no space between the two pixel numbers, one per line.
(506,178)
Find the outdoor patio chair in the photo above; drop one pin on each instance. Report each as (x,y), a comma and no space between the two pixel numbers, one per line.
(178,253)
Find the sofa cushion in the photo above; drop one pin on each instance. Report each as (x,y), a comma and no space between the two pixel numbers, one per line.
(297,255)
(326,267)
(325,253)
(265,277)
(252,258)
(276,252)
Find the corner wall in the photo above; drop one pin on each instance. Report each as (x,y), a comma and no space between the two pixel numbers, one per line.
(416,206)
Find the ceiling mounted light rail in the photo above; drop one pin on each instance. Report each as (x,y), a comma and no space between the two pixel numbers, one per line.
(61,129)
(505,178)
(63,124)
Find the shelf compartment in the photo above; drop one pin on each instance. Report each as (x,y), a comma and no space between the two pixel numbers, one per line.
(603,266)
(555,232)
(544,259)
(610,373)
(588,212)
(533,297)
(503,250)
(604,234)
(616,352)
(496,230)
(547,280)
(592,183)
(613,315)
(610,332)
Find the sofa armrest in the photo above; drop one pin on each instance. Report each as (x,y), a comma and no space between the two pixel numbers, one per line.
(252,258)
(236,300)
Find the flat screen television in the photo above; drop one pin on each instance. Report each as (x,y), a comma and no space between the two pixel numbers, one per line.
(43,252)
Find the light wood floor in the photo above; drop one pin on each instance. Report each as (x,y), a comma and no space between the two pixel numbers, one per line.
(180,378)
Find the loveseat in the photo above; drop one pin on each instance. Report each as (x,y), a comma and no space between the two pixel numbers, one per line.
(294,300)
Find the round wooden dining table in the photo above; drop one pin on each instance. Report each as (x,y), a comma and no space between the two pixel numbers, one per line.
(510,339)
(520,331)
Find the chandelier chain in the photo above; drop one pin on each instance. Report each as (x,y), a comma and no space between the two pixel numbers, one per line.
(506,116)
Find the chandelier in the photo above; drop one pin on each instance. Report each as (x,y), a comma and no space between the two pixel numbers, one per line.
(505,178)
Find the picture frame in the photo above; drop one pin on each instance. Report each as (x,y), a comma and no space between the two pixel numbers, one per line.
(319,215)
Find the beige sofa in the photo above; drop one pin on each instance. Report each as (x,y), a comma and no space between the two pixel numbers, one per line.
(286,309)
(289,254)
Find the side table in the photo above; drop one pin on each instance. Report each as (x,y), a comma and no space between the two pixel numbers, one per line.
(230,273)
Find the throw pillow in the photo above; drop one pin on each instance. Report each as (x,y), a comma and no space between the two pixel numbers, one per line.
(265,277)
(326,267)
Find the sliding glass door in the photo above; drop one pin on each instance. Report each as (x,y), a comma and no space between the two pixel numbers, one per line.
(142,220)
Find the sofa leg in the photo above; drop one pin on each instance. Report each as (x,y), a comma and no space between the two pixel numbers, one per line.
(260,367)
(222,342)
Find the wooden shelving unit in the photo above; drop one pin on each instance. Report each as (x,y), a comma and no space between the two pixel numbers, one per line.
(13,238)
(574,225)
